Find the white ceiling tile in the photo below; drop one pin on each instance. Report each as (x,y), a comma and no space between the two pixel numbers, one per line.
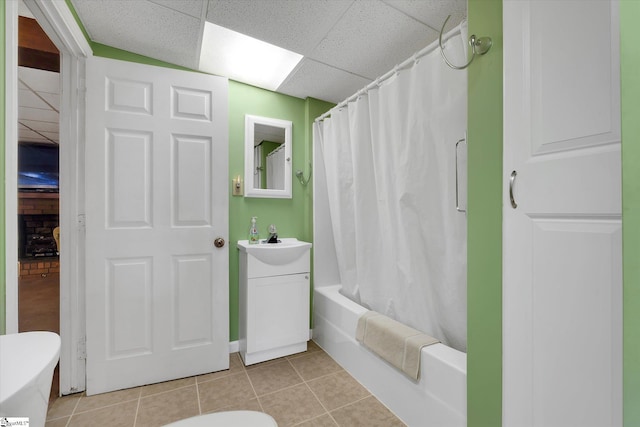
(294,25)
(365,37)
(433,12)
(144,28)
(371,38)
(322,81)
(190,7)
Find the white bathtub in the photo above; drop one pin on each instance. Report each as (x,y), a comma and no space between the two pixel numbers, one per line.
(438,399)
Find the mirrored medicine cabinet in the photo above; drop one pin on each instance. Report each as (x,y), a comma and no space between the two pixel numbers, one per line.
(267,157)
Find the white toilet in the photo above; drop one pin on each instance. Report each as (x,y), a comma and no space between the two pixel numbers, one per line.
(228,419)
(27,361)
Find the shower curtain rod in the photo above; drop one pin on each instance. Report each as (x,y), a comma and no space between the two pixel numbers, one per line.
(405,64)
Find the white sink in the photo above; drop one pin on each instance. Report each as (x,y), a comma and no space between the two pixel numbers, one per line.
(283,252)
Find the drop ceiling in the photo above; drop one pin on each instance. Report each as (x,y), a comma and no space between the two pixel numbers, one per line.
(346,44)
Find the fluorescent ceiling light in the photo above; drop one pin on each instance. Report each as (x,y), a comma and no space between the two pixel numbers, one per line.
(245,59)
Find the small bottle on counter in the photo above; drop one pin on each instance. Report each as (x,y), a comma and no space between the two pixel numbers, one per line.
(254,236)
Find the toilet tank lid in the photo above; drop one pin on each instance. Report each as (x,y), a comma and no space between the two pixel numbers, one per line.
(23,357)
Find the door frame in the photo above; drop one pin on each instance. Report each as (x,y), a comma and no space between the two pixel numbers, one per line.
(59,24)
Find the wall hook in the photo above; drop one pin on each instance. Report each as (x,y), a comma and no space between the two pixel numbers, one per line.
(479,46)
(300,175)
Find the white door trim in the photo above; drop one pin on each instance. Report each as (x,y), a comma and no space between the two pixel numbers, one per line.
(59,24)
(11,166)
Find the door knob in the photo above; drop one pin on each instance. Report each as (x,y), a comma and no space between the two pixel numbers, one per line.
(219,242)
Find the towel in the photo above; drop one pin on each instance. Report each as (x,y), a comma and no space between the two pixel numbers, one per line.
(396,343)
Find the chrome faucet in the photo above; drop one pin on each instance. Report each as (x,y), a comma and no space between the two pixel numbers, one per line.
(273,234)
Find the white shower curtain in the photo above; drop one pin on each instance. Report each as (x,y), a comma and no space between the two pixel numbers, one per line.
(257,162)
(390,167)
(275,169)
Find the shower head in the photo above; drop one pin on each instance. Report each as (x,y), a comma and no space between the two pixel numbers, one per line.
(300,175)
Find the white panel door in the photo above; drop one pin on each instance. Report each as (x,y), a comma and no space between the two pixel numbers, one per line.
(157,198)
(562,280)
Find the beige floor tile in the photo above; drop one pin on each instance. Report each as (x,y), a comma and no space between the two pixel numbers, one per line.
(321,421)
(246,405)
(226,391)
(314,365)
(63,406)
(311,348)
(58,422)
(119,415)
(292,405)
(265,363)
(107,399)
(235,366)
(148,390)
(368,412)
(273,377)
(164,408)
(337,390)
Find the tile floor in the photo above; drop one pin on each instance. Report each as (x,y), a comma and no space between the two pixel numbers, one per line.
(307,389)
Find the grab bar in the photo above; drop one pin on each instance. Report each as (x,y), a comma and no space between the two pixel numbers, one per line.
(458,208)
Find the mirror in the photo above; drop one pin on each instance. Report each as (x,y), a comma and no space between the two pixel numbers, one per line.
(267,157)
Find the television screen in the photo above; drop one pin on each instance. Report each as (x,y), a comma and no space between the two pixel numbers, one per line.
(38,167)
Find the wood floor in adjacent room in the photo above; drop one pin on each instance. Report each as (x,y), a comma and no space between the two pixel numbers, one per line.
(39,310)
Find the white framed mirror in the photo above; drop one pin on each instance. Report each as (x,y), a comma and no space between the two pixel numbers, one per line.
(267,157)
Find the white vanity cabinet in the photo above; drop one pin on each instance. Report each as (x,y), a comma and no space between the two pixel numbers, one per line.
(273,299)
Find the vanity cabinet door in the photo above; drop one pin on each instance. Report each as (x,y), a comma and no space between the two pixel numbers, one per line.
(277,311)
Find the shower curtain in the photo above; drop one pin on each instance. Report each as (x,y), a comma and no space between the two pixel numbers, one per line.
(275,168)
(391,173)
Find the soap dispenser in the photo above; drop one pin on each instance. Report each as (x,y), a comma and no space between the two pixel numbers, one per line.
(254,237)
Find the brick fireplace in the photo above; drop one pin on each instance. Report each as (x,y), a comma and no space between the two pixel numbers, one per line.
(38,215)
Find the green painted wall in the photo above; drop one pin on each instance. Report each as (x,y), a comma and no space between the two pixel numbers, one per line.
(3,305)
(630,90)
(123,55)
(484,221)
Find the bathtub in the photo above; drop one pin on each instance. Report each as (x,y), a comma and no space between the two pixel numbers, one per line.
(438,398)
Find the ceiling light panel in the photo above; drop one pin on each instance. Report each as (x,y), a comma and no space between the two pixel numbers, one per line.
(245,59)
